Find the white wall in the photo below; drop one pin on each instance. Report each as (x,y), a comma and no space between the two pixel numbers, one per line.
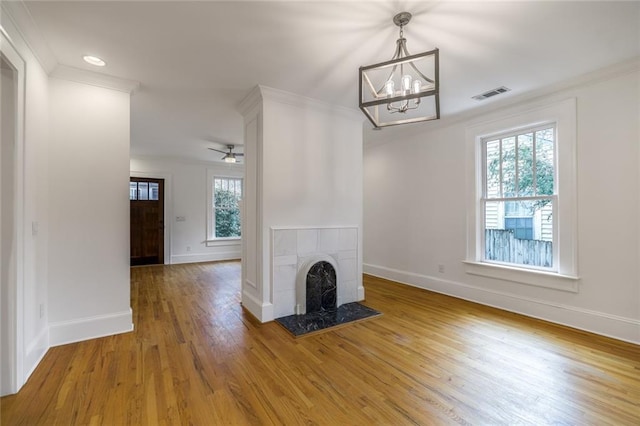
(186,196)
(304,164)
(415,211)
(88,212)
(33,170)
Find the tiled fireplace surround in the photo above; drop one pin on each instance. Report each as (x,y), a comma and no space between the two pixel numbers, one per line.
(294,250)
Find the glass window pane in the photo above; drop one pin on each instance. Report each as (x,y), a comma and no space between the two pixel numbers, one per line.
(509,167)
(143,191)
(545,162)
(525,165)
(226,209)
(492,155)
(493,215)
(519,232)
(133,190)
(153,190)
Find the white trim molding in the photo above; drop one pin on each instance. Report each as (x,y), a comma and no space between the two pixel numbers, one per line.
(602,323)
(36,350)
(259,92)
(563,115)
(13,306)
(63,332)
(22,20)
(524,276)
(93,78)
(263,312)
(206,257)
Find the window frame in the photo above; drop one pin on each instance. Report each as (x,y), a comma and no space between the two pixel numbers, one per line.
(484,198)
(564,274)
(212,240)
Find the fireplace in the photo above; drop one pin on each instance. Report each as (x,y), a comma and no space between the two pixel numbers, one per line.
(295,251)
(323,283)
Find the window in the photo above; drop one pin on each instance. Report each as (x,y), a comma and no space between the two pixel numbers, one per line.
(143,190)
(225,209)
(522,197)
(518,197)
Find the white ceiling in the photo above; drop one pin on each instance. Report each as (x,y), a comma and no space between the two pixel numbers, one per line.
(196,61)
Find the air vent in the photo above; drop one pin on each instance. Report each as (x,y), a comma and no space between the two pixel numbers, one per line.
(490,93)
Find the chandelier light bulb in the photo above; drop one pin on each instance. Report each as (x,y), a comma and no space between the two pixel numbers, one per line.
(406,83)
(417,85)
(389,88)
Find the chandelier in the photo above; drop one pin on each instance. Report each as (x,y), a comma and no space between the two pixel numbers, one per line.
(402,90)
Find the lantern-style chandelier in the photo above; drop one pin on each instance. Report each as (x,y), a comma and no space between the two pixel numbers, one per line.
(404,89)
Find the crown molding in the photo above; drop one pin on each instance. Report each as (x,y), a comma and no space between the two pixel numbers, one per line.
(263,93)
(250,102)
(281,96)
(21,18)
(93,78)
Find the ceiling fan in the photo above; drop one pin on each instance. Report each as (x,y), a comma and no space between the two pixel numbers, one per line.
(229,157)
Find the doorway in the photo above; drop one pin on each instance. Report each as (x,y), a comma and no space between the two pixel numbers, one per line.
(12,90)
(7,221)
(146,199)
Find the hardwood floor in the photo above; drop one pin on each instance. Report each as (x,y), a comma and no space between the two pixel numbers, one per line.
(196,357)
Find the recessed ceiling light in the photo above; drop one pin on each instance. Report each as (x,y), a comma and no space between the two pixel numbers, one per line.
(94,60)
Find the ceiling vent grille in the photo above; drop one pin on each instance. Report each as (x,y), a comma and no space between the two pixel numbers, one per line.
(490,93)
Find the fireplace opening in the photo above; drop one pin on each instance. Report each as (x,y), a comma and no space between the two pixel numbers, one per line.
(317,292)
(321,286)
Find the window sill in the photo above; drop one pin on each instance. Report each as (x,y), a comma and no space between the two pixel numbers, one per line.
(219,242)
(544,279)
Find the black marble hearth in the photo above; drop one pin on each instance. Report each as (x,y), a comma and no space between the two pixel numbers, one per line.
(299,325)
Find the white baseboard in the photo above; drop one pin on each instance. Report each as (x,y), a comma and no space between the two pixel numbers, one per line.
(360,291)
(262,311)
(617,327)
(205,257)
(36,350)
(63,332)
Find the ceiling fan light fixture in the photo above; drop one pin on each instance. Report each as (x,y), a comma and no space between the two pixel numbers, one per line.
(404,89)
(229,156)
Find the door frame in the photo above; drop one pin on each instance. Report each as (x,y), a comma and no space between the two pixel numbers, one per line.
(15,287)
(168,213)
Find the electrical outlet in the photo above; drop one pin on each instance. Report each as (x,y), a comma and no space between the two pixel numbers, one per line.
(34,228)
(42,310)
(180,219)
(441,268)
(188,248)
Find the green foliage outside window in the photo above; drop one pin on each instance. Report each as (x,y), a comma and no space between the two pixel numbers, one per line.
(227,214)
(535,174)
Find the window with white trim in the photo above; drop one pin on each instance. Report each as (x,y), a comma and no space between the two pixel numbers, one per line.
(224,208)
(522,197)
(518,197)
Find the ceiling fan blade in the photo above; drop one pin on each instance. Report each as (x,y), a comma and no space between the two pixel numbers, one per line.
(239,154)
(217,150)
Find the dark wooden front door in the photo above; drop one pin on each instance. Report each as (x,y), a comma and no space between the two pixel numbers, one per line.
(146,197)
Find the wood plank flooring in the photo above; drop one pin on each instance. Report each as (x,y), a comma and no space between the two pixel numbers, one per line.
(196,357)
